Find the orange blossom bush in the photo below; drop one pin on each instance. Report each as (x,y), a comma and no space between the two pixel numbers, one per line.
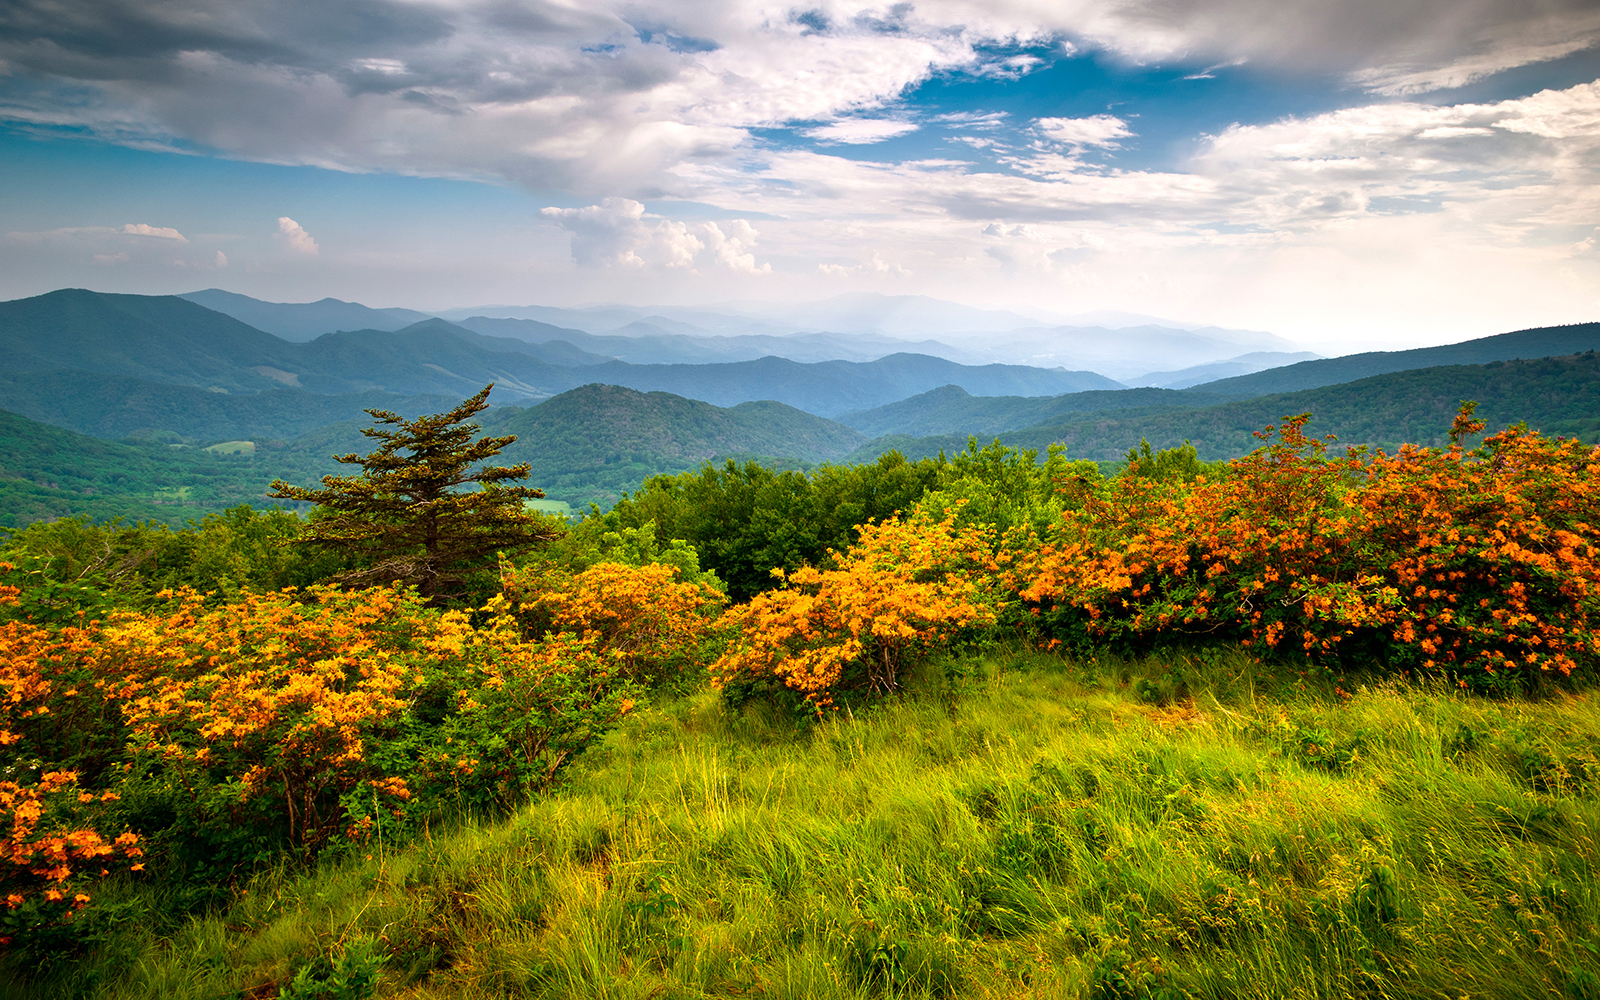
(644,619)
(1482,564)
(904,587)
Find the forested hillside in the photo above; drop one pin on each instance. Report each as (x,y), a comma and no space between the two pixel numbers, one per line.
(596,442)
(589,445)
(1556,395)
(952,410)
(48,473)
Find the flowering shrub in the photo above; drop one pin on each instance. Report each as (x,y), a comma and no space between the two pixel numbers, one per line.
(1482,564)
(277,719)
(50,849)
(51,839)
(641,618)
(905,587)
(269,700)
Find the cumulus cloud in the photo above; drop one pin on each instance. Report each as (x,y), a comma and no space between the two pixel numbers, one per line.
(618,233)
(294,237)
(1097,130)
(142,229)
(859,131)
(631,96)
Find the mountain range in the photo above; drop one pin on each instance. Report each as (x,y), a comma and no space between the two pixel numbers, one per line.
(129,346)
(1554,395)
(854,327)
(169,377)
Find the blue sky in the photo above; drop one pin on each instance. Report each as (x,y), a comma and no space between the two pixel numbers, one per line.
(1350,173)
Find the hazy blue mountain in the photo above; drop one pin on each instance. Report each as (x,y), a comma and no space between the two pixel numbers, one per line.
(1538,342)
(1555,395)
(893,315)
(131,344)
(951,409)
(161,338)
(164,338)
(300,321)
(656,341)
(1244,364)
(1127,352)
(431,356)
(832,387)
(596,320)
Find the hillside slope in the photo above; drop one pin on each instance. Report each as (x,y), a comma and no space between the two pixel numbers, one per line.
(48,473)
(157,337)
(951,409)
(1555,395)
(597,441)
(116,407)
(1538,342)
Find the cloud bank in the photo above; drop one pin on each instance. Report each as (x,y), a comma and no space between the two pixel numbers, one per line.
(784,115)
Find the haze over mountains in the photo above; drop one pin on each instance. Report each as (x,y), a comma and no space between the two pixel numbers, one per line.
(856,327)
(598,412)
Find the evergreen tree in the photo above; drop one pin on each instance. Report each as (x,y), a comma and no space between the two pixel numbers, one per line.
(406,512)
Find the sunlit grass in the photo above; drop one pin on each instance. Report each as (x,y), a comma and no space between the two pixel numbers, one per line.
(1042,830)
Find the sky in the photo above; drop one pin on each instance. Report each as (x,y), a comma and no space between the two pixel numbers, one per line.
(1351,174)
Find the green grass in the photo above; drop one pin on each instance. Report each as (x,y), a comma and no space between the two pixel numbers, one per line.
(246,448)
(1163,830)
(550,506)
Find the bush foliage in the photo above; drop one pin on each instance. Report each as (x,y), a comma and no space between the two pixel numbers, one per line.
(180,708)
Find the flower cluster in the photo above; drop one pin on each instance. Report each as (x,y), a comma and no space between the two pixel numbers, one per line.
(643,617)
(1484,564)
(906,586)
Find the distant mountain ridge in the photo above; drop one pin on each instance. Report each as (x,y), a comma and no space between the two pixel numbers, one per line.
(302,321)
(849,327)
(128,344)
(951,409)
(1244,364)
(1535,342)
(1554,395)
(644,342)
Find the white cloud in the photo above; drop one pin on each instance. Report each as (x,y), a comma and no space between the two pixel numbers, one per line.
(1097,130)
(141,229)
(732,248)
(293,236)
(624,97)
(980,120)
(618,233)
(221,260)
(875,266)
(858,131)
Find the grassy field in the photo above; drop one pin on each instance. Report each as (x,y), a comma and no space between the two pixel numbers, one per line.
(1035,829)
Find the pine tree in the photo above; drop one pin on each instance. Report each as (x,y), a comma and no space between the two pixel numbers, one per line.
(406,513)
